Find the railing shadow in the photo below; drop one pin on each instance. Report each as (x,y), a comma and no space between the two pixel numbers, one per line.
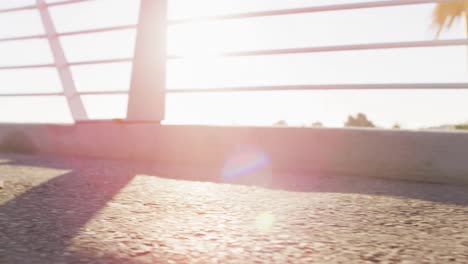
(38,225)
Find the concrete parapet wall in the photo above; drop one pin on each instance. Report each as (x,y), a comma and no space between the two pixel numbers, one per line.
(410,155)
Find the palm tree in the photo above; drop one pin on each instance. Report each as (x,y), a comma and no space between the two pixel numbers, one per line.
(446,13)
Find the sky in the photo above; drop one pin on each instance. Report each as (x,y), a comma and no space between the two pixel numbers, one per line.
(198,41)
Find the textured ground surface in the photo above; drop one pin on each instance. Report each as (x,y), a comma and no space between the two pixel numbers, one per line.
(56,210)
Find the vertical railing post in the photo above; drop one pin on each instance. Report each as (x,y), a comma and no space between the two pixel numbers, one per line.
(147,91)
(75,104)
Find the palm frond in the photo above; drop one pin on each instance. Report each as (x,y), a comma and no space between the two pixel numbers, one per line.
(447,12)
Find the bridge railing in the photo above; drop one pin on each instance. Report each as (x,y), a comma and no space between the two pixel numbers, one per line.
(143,85)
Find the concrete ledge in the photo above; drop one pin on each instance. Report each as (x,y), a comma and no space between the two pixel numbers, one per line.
(440,157)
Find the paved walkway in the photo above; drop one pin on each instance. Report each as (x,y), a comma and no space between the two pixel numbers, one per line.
(57,210)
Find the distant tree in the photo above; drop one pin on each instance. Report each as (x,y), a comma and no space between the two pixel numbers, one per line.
(461,126)
(359,121)
(281,123)
(396,126)
(316,124)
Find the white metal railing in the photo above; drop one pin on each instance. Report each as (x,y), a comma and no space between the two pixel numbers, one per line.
(356,86)
(29,7)
(372,46)
(313,9)
(245,15)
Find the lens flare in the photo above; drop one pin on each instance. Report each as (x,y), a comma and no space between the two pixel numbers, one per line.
(265,221)
(244,162)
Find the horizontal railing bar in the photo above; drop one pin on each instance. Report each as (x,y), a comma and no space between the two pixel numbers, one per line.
(313,9)
(16,9)
(71,33)
(29,7)
(67,2)
(30,94)
(379,86)
(19,67)
(23,38)
(69,64)
(374,46)
(103,92)
(390,45)
(98,30)
(100,61)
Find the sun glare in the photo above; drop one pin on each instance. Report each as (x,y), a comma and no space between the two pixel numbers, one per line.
(265,221)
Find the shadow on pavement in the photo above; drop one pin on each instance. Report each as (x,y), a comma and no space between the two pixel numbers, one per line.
(38,225)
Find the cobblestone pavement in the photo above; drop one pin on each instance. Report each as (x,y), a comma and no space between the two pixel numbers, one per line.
(70,210)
